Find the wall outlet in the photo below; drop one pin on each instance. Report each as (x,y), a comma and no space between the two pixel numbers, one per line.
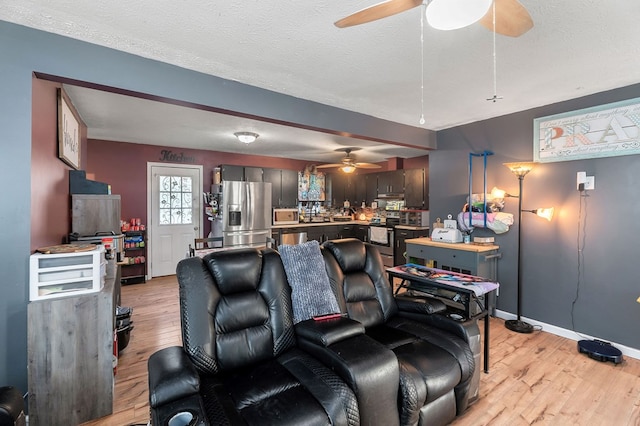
(581,177)
(590,183)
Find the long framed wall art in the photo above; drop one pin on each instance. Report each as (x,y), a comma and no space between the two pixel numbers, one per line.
(602,131)
(68,131)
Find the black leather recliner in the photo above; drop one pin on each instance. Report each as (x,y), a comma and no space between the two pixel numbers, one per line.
(241,363)
(437,364)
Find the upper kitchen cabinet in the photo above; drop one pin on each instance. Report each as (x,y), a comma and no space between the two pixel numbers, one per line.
(415,195)
(284,186)
(240,173)
(342,188)
(391,182)
(371,187)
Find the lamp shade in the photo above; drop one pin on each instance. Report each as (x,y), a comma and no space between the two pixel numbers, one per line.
(454,14)
(246,137)
(520,169)
(545,213)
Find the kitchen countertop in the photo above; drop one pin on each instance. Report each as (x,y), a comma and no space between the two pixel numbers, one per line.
(478,248)
(350,222)
(307,224)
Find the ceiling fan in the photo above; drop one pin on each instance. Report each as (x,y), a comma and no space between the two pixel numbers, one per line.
(511,18)
(348,164)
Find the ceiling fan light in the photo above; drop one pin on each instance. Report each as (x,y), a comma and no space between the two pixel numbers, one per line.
(246,137)
(454,14)
(347,168)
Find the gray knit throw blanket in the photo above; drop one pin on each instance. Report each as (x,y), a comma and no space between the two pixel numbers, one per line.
(311,292)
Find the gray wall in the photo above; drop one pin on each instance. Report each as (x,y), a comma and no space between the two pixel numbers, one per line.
(25,51)
(608,281)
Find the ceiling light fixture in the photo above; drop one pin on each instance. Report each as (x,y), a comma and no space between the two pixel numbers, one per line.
(454,14)
(246,137)
(348,168)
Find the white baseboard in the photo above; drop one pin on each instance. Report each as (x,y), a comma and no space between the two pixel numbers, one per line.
(569,334)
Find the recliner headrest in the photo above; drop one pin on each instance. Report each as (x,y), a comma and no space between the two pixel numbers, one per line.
(350,253)
(235,270)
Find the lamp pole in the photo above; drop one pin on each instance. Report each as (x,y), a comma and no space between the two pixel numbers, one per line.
(518,325)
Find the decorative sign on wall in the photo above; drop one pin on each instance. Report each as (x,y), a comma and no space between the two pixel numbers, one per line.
(68,131)
(603,131)
(311,185)
(173,157)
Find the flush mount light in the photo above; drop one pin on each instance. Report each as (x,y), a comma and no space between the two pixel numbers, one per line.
(454,14)
(246,137)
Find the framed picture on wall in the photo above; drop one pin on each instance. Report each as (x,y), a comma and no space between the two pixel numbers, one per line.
(601,131)
(68,131)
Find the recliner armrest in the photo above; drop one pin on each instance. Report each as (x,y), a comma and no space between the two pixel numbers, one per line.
(172,376)
(420,304)
(330,331)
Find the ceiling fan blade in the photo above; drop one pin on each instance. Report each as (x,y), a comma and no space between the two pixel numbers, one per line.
(366,166)
(512,19)
(326,166)
(378,11)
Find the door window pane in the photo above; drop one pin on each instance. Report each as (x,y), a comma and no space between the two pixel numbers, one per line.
(176,200)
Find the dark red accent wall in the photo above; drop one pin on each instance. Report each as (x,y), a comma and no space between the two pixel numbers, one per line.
(50,201)
(124,167)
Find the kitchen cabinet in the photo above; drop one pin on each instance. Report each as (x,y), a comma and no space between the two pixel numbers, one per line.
(360,190)
(336,184)
(361,232)
(343,189)
(284,187)
(331,232)
(414,189)
(240,173)
(315,233)
(391,182)
(371,187)
(471,259)
(346,231)
(400,245)
(70,355)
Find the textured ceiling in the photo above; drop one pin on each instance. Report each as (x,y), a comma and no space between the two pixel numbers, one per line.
(577,47)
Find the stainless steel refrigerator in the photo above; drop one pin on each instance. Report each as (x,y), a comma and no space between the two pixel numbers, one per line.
(246,213)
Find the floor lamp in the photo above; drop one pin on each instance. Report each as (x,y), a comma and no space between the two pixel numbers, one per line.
(521,170)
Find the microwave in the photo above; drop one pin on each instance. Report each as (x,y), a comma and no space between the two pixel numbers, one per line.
(286,216)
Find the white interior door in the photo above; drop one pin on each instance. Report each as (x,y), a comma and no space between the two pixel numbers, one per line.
(175,208)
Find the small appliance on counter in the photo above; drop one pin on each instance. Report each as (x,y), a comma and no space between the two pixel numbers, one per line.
(286,216)
(446,235)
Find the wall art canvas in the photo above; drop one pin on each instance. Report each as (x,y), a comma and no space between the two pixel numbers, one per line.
(68,131)
(602,131)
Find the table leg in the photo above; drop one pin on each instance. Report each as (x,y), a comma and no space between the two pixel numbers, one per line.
(486,342)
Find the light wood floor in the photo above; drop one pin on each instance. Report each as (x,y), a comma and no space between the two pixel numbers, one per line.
(537,379)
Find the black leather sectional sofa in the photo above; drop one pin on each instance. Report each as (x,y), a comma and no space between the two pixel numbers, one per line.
(384,361)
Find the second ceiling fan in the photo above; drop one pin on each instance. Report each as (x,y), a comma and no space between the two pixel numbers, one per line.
(511,18)
(349,164)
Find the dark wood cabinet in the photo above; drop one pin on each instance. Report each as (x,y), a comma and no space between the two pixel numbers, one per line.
(338,183)
(346,231)
(240,173)
(371,187)
(360,190)
(284,187)
(414,180)
(400,246)
(361,232)
(253,174)
(289,188)
(391,182)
